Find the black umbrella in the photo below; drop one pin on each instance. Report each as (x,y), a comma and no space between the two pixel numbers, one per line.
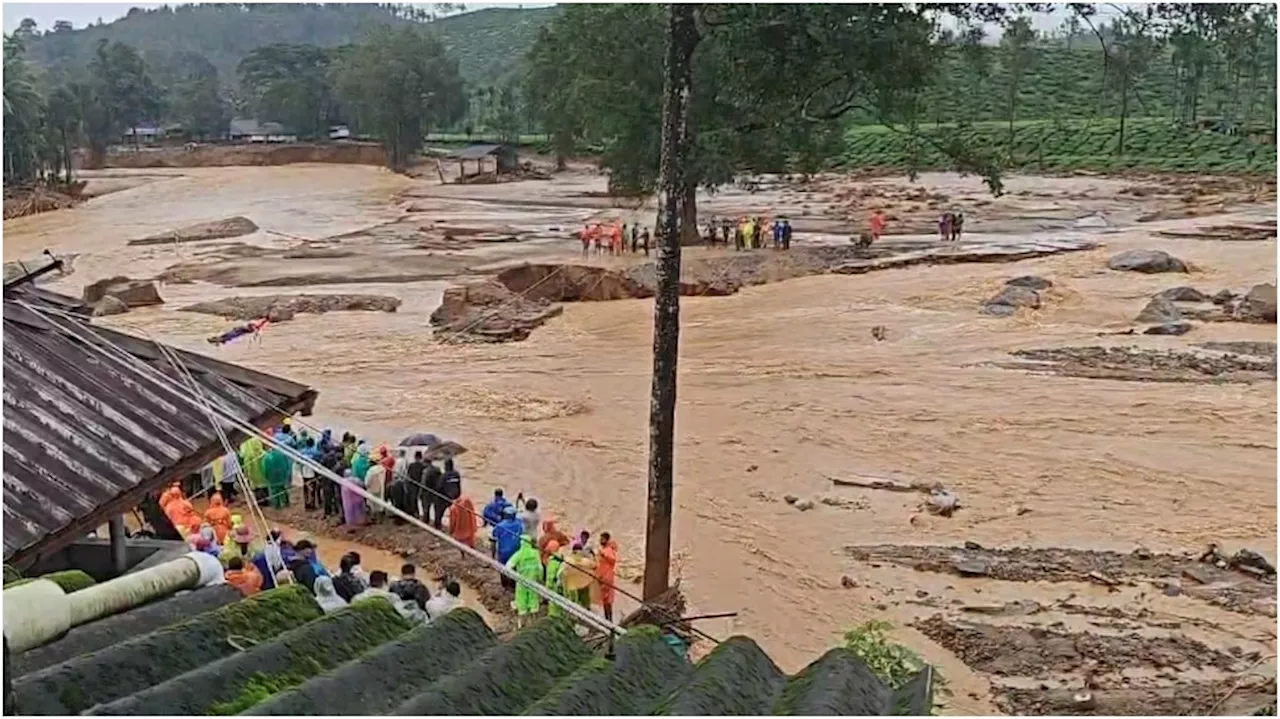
(421,439)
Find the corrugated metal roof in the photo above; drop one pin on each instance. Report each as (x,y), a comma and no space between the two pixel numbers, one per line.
(85,437)
(475,152)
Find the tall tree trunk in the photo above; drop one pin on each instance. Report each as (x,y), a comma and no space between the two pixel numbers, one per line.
(682,39)
(689,216)
(1124,109)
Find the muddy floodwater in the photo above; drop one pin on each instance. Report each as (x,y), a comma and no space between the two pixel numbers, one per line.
(782,386)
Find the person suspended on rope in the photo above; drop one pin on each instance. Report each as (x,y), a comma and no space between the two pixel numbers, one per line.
(254,328)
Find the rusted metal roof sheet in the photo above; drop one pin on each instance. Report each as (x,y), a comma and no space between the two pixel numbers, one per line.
(85,437)
(475,152)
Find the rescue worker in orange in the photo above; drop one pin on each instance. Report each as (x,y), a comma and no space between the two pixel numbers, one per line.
(877,225)
(244,577)
(550,534)
(607,573)
(173,492)
(462,521)
(218,517)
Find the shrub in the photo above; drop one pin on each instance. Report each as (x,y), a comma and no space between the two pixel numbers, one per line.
(71,580)
(643,672)
(736,678)
(390,673)
(131,666)
(237,682)
(508,677)
(902,669)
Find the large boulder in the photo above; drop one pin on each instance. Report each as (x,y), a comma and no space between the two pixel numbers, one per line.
(1159,311)
(1031,282)
(216,230)
(1259,305)
(1169,328)
(133,293)
(1146,261)
(1183,294)
(1010,299)
(109,306)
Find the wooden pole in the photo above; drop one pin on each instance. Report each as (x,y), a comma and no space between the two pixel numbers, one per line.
(682,39)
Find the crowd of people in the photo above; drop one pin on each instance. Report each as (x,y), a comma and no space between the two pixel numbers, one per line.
(518,535)
(748,233)
(614,239)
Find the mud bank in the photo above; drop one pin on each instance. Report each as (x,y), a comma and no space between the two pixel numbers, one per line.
(354,153)
(519,299)
(1231,589)
(279,308)
(1133,364)
(21,202)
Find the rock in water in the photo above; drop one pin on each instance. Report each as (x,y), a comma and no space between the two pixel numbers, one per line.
(1169,328)
(109,306)
(216,230)
(1159,311)
(1010,299)
(1223,297)
(1031,282)
(1146,261)
(134,293)
(1183,294)
(1259,305)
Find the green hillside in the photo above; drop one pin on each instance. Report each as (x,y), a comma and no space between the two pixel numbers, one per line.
(1066,82)
(487,43)
(1151,144)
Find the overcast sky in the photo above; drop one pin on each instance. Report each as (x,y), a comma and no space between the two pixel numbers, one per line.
(84,13)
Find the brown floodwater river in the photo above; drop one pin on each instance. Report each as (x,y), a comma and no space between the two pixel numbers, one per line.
(781,387)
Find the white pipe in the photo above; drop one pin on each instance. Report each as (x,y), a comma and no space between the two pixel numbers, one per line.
(34,613)
(132,590)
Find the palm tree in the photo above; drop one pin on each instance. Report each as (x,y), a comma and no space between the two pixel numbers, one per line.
(23,115)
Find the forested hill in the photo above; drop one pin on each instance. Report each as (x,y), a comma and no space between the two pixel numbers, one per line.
(488,44)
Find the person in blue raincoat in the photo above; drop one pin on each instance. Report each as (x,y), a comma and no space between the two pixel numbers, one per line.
(493,511)
(506,540)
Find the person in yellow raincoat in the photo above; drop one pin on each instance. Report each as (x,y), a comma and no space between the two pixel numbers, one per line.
(252,454)
(239,542)
(528,564)
(577,576)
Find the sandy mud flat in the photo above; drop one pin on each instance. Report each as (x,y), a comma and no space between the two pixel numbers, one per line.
(1030,419)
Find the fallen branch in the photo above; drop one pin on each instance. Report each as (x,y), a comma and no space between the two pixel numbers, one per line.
(888,485)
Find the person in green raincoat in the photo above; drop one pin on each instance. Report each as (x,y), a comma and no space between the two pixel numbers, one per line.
(252,453)
(279,471)
(527,562)
(360,465)
(555,575)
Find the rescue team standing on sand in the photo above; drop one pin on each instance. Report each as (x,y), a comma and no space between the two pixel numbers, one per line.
(520,537)
(746,234)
